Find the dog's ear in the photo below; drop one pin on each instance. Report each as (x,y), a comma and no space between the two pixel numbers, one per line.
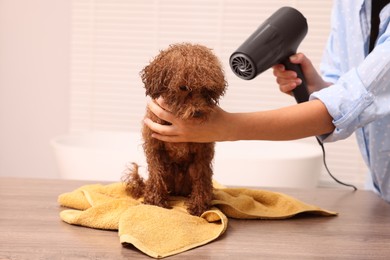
(153,81)
(216,85)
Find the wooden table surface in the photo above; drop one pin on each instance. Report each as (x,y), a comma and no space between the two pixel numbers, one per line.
(30,228)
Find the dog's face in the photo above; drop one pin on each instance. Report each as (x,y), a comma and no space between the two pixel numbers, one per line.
(189,77)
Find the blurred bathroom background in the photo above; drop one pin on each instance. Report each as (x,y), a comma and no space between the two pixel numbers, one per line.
(71,67)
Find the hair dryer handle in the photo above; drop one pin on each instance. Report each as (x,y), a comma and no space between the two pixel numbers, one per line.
(300,92)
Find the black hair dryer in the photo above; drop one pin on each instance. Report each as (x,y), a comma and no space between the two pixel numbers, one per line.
(273,43)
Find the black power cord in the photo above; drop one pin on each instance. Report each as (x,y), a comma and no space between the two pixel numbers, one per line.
(327,169)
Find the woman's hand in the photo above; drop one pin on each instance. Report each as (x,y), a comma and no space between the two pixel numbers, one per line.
(192,130)
(288,80)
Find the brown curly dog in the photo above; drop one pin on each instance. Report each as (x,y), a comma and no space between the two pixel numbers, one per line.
(191,80)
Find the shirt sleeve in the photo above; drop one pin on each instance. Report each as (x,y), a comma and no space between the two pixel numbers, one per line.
(360,95)
(330,63)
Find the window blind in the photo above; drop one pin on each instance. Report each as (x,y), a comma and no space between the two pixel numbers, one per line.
(112,40)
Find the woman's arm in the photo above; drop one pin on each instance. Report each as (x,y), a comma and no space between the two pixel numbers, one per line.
(298,121)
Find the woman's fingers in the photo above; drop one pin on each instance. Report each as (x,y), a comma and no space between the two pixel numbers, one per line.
(160,101)
(167,133)
(286,79)
(160,112)
(158,128)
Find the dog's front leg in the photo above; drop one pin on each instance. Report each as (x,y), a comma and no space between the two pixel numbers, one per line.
(202,188)
(156,192)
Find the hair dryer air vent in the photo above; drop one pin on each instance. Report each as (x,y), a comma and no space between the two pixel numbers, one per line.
(273,42)
(242,66)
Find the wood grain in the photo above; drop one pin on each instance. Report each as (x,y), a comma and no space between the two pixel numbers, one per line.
(30,228)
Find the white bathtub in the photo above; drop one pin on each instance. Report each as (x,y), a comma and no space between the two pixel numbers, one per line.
(104,155)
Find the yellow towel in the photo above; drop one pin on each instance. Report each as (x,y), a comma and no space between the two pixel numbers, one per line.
(160,232)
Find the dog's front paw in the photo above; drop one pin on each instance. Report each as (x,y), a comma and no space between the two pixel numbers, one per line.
(197,209)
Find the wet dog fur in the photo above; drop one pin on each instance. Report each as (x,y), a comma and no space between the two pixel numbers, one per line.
(190,79)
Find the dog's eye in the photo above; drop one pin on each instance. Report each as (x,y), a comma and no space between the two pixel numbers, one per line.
(214,101)
(184,88)
(210,97)
(198,114)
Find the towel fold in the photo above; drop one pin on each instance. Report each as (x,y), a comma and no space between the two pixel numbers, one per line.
(261,204)
(160,232)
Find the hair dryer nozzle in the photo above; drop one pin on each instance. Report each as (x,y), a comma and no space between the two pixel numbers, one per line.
(273,41)
(243,66)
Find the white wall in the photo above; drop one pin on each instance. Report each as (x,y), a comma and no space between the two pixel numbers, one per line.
(34,84)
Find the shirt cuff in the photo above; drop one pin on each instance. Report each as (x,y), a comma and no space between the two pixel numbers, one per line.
(345,101)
